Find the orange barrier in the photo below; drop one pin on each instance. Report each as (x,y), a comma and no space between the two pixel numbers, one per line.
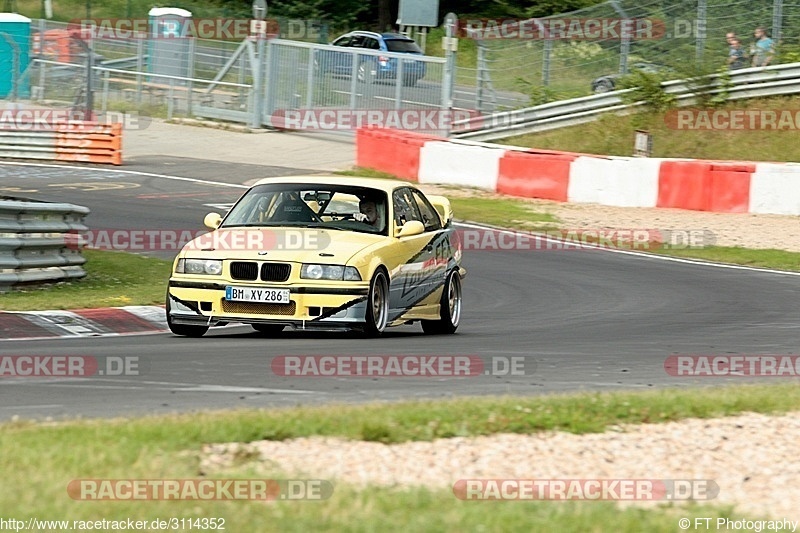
(393,151)
(89,142)
(57,45)
(721,187)
(535,174)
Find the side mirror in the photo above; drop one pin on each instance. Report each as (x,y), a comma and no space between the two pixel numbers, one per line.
(409,229)
(212,220)
(443,208)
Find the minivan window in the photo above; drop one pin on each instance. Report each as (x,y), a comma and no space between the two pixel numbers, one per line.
(398,45)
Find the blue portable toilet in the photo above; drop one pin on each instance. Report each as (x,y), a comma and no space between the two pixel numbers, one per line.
(15,39)
(168,49)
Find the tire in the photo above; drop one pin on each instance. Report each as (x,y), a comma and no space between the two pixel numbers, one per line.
(449,308)
(184,330)
(377,316)
(365,74)
(267,329)
(603,86)
(410,81)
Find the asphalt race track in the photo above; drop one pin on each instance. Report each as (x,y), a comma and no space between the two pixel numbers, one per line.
(582,320)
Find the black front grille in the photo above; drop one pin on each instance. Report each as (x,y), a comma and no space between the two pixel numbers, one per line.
(244,270)
(275,272)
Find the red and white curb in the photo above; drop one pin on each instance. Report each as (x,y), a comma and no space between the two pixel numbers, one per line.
(693,184)
(128,320)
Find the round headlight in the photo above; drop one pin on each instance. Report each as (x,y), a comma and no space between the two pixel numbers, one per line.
(213,267)
(314,271)
(335,272)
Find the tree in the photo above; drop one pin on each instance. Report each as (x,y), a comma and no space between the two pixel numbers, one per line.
(385,20)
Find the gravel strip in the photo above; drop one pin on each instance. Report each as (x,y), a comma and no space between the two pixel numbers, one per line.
(752,457)
(781,232)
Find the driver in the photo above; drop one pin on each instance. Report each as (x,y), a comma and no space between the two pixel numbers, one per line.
(368,212)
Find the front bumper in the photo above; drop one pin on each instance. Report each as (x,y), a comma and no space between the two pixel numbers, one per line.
(310,307)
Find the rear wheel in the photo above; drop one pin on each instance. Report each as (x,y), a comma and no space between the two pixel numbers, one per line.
(267,329)
(604,86)
(184,330)
(449,308)
(377,304)
(365,73)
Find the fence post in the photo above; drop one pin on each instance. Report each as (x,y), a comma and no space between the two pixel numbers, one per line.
(548,50)
(190,83)
(139,69)
(105,91)
(700,43)
(42,67)
(450,22)
(777,21)
(310,79)
(258,83)
(480,74)
(171,99)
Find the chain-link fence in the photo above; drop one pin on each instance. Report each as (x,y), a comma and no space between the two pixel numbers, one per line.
(684,36)
(218,79)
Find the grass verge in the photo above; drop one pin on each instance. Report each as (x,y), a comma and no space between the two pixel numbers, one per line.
(48,456)
(614,135)
(113,279)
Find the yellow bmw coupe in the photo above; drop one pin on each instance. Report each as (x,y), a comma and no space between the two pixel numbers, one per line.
(329,252)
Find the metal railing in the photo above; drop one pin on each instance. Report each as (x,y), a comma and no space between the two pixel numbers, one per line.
(744,83)
(40,242)
(296,75)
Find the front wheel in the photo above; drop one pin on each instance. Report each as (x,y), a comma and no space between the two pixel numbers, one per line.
(377,305)
(184,330)
(449,308)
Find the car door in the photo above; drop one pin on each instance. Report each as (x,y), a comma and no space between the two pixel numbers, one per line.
(341,63)
(410,279)
(438,252)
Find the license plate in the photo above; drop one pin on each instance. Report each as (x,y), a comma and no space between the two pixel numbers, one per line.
(254,294)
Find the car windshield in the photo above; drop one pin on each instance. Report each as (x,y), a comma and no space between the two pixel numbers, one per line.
(402,45)
(336,207)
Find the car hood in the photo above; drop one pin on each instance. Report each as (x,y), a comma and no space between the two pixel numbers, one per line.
(302,245)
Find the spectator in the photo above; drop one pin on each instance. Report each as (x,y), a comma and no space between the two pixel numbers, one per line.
(763,49)
(736,55)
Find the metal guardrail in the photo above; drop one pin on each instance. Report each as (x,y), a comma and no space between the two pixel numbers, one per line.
(81,141)
(40,242)
(744,83)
